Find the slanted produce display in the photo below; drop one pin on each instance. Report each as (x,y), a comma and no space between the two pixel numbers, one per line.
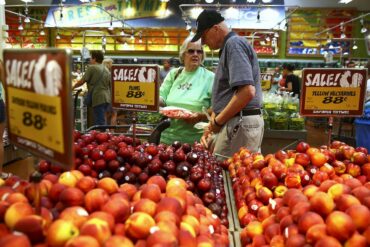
(314,196)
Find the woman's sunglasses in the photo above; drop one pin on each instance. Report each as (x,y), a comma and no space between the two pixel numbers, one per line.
(192,51)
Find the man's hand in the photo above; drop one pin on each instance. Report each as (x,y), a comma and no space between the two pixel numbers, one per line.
(213,127)
(195,118)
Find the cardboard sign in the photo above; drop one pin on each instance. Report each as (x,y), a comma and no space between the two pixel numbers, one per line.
(333,92)
(39,102)
(266,80)
(135,87)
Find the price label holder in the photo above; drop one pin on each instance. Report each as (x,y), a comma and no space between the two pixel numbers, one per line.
(333,93)
(266,81)
(135,88)
(39,102)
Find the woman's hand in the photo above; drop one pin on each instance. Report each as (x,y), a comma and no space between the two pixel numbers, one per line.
(204,140)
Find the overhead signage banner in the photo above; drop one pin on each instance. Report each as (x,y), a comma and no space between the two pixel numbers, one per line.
(155,13)
(135,87)
(38,96)
(333,92)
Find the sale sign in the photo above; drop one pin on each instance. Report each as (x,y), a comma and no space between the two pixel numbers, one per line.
(135,87)
(266,80)
(333,92)
(38,102)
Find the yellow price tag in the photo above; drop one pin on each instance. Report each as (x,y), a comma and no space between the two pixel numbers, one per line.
(332,98)
(36,117)
(142,93)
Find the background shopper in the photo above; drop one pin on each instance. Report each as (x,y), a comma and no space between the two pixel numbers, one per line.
(188,87)
(111,113)
(164,71)
(292,81)
(98,82)
(237,93)
(3,175)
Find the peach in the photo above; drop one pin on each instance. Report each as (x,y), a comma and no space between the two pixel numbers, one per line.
(336,190)
(161,238)
(119,229)
(356,240)
(254,228)
(327,241)
(4,230)
(82,241)
(169,216)
(170,204)
(299,209)
(361,193)
(345,201)
(151,192)
(310,190)
(277,241)
(352,182)
(264,194)
(295,240)
(55,190)
(129,189)
(176,182)
(68,179)
(32,226)
(60,231)
(77,215)
(119,208)
(271,231)
(192,221)
(15,212)
(138,225)
(186,239)
(105,217)
(263,212)
(118,241)
(168,227)
(279,191)
(96,228)
(108,184)
(72,197)
(324,186)
(309,219)
(318,159)
(158,180)
(322,203)
(340,225)
(95,199)
(282,212)
(146,206)
(360,216)
(315,232)
(15,240)
(12,198)
(86,184)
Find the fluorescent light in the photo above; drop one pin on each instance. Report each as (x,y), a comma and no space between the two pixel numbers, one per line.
(354,47)
(27,1)
(232,13)
(20,27)
(42,32)
(363,29)
(345,1)
(2,2)
(343,35)
(122,33)
(26,19)
(209,1)
(195,12)
(58,36)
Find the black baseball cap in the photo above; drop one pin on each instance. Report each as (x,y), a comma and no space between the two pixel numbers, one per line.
(206,19)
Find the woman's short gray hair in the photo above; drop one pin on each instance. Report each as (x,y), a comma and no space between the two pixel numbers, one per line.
(108,62)
(184,48)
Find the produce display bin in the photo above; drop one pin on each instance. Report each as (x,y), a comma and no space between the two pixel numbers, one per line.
(232,208)
(274,140)
(229,202)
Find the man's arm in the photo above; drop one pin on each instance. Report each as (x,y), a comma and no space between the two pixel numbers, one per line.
(79,83)
(242,96)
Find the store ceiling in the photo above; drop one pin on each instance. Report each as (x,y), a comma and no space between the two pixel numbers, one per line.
(359,4)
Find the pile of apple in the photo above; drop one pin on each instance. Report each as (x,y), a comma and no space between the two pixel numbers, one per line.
(77,210)
(101,154)
(260,183)
(331,215)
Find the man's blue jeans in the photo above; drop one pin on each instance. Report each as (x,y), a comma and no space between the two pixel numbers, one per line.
(99,114)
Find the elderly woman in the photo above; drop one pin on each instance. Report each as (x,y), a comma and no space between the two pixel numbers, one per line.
(187,87)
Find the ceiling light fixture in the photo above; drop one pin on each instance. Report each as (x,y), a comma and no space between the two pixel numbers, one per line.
(122,33)
(58,36)
(258,16)
(345,1)
(354,47)
(61,10)
(209,1)
(140,37)
(42,32)
(132,34)
(276,35)
(363,28)
(20,27)
(111,24)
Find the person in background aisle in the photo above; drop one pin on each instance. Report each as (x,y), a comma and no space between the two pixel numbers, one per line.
(111,114)
(98,82)
(188,87)
(3,175)
(292,82)
(164,71)
(276,77)
(237,119)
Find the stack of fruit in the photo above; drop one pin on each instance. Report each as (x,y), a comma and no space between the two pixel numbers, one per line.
(78,210)
(323,182)
(100,155)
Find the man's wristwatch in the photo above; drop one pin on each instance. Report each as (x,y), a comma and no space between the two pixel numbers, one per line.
(215,122)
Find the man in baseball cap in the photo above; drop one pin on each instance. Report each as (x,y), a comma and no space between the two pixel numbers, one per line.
(206,20)
(236,120)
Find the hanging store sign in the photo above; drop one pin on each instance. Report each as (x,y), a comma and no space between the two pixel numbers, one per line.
(135,87)
(100,13)
(333,92)
(38,96)
(266,80)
